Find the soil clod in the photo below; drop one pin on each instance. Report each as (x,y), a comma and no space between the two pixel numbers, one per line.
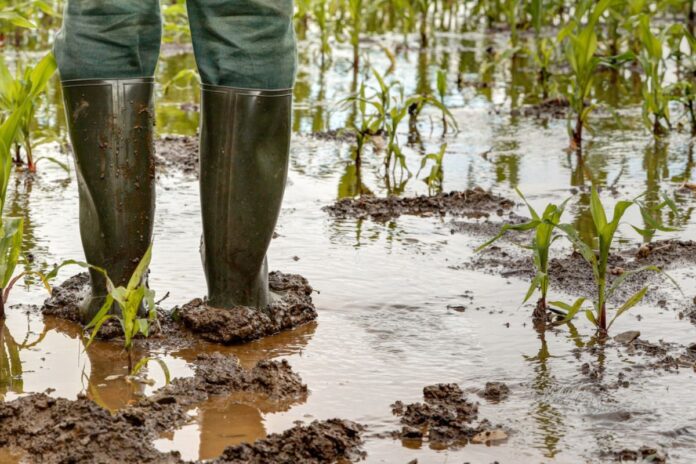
(445,417)
(495,391)
(328,441)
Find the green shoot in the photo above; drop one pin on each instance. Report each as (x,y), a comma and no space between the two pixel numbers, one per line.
(605,231)
(544,236)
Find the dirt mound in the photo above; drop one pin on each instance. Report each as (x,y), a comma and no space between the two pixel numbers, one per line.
(475,202)
(243,324)
(445,418)
(226,326)
(551,107)
(66,297)
(317,443)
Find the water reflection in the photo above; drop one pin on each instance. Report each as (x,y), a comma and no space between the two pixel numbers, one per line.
(549,419)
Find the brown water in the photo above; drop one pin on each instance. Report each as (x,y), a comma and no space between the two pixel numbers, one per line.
(385,330)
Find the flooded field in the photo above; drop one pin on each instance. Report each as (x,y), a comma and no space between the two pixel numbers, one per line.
(403,302)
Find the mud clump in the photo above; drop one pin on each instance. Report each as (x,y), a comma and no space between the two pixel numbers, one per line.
(51,430)
(663,253)
(444,418)
(59,430)
(495,391)
(475,202)
(551,107)
(243,324)
(644,454)
(177,153)
(65,298)
(317,443)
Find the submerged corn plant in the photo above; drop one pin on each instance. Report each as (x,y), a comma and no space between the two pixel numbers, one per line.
(135,311)
(544,236)
(605,232)
(436,176)
(580,47)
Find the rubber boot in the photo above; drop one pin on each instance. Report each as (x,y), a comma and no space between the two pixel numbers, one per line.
(244,150)
(111,129)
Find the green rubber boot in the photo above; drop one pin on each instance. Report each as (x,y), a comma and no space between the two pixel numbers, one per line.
(244,150)
(111,129)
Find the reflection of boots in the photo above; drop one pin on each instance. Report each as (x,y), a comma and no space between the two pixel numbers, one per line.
(245,141)
(111,126)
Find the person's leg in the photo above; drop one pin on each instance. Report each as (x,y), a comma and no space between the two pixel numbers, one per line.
(106,54)
(245,51)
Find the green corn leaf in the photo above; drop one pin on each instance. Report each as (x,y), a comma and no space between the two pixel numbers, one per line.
(590,317)
(144,361)
(103,311)
(599,216)
(139,273)
(630,303)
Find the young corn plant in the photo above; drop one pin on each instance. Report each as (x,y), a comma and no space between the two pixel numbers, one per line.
(440,102)
(370,125)
(605,231)
(436,176)
(656,98)
(544,236)
(24,91)
(580,47)
(11,228)
(130,301)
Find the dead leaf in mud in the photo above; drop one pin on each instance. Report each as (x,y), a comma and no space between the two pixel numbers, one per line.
(489,436)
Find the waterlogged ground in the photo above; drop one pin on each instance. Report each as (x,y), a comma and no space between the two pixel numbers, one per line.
(400,304)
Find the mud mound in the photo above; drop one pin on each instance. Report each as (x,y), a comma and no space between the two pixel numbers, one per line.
(665,253)
(551,107)
(243,324)
(59,430)
(475,202)
(317,443)
(180,153)
(66,297)
(644,454)
(445,418)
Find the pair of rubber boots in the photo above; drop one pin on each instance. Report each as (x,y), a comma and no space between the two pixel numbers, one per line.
(244,147)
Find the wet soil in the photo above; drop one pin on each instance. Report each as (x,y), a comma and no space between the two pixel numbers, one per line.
(445,418)
(51,430)
(177,153)
(551,107)
(475,203)
(227,326)
(243,324)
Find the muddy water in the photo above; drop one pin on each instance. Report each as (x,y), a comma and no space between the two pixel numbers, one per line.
(386,325)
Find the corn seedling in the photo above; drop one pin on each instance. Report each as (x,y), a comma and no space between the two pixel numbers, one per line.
(580,47)
(605,231)
(130,300)
(655,98)
(436,176)
(24,91)
(544,236)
